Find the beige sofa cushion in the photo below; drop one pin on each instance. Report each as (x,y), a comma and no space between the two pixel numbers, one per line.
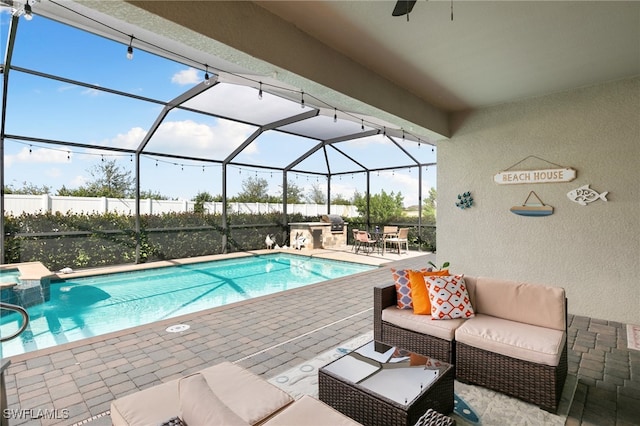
(150,406)
(309,411)
(514,339)
(199,406)
(250,397)
(534,304)
(403,318)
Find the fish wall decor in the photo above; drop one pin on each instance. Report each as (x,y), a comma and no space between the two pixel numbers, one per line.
(585,195)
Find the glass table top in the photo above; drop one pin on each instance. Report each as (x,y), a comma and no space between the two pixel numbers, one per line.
(393,373)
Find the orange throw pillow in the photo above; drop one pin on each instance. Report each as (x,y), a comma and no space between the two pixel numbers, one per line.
(419,292)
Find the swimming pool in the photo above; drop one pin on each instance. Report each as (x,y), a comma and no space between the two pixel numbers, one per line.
(84,307)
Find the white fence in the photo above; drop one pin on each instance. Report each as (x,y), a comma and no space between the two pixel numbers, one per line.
(16,204)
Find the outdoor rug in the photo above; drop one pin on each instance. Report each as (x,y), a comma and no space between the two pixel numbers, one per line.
(474,405)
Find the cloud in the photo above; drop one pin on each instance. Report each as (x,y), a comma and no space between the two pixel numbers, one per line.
(53,172)
(78,181)
(37,155)
(130,140)
(188,76)
(199,139)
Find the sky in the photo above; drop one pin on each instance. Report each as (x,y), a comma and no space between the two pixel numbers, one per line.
(43,108)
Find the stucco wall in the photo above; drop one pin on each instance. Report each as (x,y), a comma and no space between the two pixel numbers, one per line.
(592,251)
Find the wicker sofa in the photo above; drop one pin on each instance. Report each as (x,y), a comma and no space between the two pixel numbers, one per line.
(515,344)
(224,394)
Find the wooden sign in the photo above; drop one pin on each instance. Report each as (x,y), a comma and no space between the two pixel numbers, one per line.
(535,176)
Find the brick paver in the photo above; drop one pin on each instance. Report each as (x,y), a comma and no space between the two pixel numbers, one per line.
(271,334)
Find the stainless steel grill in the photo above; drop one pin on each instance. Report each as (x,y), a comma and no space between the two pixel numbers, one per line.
(336,221)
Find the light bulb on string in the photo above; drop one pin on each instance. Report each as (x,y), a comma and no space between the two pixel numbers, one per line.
(335,115)
(30,149)
(28,13)
(130,49)
(260,92)
(362,124)
(206,75)
(302,99)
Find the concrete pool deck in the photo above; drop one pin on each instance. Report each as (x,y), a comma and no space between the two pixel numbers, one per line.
(270,334)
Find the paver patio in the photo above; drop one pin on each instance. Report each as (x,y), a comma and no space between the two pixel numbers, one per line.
(271,334)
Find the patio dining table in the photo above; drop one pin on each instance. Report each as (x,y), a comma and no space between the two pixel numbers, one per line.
(381,237)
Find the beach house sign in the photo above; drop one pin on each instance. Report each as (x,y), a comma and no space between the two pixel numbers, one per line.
(509,177)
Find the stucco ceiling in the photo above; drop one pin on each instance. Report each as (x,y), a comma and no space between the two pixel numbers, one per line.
(491,52)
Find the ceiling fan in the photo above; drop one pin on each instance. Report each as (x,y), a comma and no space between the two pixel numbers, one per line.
(403,7)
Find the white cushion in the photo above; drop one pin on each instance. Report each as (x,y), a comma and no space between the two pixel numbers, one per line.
(421,323)
(514,339)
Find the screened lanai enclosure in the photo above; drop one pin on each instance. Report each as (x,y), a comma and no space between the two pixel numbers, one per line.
(82,91)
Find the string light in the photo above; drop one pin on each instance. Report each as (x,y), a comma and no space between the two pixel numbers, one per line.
(130,49)
(335,115)
(28,13)
(206,75)
(27,8)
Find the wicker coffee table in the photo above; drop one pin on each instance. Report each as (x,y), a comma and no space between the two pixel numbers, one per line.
(378,384)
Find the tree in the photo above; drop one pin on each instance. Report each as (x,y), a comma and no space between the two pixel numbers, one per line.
(108,180)
(340,199)
(201,198)
(429,208)
(254,190)
(383,207)
(295,194)
(27,188)
(316,195)
(153,195)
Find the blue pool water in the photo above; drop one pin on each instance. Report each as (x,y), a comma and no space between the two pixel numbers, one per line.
(85,307)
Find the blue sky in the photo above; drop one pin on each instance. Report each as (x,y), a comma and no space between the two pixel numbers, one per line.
(54,110)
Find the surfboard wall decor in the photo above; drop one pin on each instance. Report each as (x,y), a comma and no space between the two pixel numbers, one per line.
(532,209)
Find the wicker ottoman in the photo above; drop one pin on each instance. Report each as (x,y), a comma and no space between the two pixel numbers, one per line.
(377,384)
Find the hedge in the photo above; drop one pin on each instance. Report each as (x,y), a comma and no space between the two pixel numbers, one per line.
(92,240)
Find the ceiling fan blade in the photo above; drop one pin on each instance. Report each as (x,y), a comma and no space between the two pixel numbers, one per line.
(403,7)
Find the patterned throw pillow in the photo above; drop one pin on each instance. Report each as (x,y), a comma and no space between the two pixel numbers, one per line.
(403,288)
(449,297)
(174,421)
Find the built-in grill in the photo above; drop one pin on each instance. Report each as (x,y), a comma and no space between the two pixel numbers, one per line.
(336,221)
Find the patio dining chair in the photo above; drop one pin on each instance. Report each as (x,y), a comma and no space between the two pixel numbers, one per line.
(388,232)
(401,238)
(356,242)
(365,240)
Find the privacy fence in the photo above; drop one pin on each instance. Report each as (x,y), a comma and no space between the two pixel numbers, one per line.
(16,204)
(107,236)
